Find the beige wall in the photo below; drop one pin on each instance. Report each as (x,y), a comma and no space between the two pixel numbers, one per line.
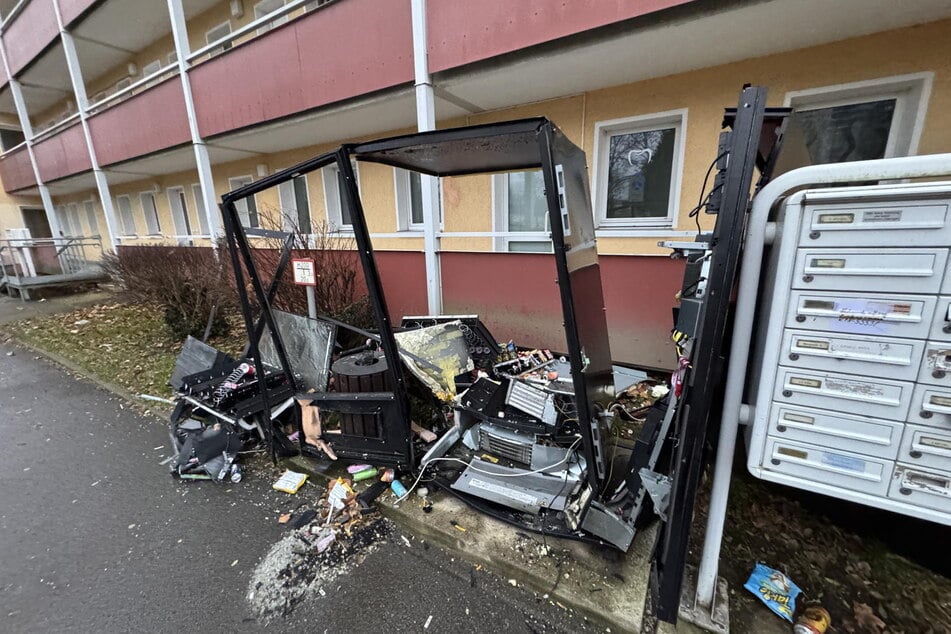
(702,93)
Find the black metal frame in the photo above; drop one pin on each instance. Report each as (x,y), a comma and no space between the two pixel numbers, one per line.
(523,144)
(704,380)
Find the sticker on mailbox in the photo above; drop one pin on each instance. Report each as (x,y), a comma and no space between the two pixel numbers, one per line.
(843,462)
(937,443)
(882,215)
(836,219)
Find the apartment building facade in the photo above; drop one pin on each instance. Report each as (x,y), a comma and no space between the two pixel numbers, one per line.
(129,118)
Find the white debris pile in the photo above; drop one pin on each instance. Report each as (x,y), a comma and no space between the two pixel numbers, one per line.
(307,562)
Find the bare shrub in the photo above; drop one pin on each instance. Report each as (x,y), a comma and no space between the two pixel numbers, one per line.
(185,282)
(340,291)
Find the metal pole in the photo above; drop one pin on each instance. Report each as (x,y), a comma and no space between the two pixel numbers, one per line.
(311,302)
(206,180)
(426,121)
(882,169)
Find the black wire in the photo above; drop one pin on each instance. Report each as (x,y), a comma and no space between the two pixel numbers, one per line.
(695,212)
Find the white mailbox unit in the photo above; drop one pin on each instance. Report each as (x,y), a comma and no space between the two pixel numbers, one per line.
(851,370)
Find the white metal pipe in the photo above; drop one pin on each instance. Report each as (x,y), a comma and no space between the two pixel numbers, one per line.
(426,121)
(878,170)
(206,181)
(82,105)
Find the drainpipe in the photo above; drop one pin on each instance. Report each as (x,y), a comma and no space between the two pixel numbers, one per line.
(426,121)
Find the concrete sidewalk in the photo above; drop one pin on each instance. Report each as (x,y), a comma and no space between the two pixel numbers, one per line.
(13,309)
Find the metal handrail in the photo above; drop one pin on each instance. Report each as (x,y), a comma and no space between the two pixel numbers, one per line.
(14,12)
(15,148)
(131,88)
(55,128)
(290,7)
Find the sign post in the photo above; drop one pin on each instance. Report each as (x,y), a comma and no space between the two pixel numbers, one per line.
(305,274)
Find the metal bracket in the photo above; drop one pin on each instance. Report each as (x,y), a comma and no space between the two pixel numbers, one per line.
(658,487)
(715,618)
(684,246)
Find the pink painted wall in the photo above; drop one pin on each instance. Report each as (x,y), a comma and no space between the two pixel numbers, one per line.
(16,172)
(72,9)
(463,32)
(150,121)
(31,31)
(62,154)
(343,50)
(517,297)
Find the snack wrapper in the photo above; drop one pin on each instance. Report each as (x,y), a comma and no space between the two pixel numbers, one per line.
(774,589)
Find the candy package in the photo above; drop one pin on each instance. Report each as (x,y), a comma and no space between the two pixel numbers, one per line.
(774,589)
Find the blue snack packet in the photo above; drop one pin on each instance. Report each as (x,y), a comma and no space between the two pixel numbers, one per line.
(774,589)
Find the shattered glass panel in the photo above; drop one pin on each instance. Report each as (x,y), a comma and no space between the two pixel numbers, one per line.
(308,343)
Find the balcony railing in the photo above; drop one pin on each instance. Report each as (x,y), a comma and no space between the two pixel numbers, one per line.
(236,37)
(133,89)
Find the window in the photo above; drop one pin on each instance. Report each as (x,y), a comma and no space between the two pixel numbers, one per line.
(338,215)
(295,205)
(75,224)
(122,84)
(247,207)
(91,220)
(310,6)
(151,68)
(520,206)
(179,209)
(151,213)
(266,7)
(216,33)
(202,213)
(863,120)
(409,199)
(637,170)
(172,58)
(10,138)
(62,220)
(126,219)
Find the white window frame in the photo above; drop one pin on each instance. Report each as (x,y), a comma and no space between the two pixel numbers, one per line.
(270,24)
(62,220)
(285,221)
(89,207)
(911,93)
(333,199)
(210,39)
(197,194)
(151,68)
(179,190)
(151,231)
(500,208)
(603,130)
(126,222)
(404,201)
(240,181)
(75,223)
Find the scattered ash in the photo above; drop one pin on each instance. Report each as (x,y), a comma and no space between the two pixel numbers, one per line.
(293,570)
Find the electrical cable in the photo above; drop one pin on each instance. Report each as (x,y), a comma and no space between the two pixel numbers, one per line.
(695,212)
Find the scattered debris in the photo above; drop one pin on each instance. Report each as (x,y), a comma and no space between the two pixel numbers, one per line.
(290,482)
(814,619)
(428,621)
(456,525)
(307,561)
(284,518)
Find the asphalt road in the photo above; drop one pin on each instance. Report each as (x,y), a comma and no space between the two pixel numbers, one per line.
(96,537)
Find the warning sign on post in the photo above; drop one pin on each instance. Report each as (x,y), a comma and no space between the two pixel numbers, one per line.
(305,271)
